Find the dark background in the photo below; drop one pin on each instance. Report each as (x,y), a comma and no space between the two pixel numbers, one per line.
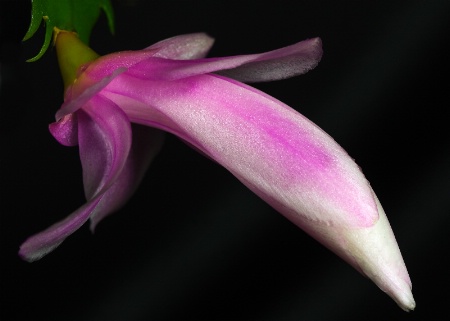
(195,244)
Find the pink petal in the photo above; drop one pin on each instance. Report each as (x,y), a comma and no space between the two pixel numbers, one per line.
(275,151)
(279,64)
(273,65)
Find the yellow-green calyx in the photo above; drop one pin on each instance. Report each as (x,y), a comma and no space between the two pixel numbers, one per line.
(72,53)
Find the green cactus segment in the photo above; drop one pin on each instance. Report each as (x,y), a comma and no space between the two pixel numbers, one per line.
(72,15)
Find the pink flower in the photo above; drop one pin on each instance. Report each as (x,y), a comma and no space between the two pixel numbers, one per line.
(276,152)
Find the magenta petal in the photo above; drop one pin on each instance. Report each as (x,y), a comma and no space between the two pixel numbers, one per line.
(104,135)
(273,65)
(65,130)
(46,241)
(146,144)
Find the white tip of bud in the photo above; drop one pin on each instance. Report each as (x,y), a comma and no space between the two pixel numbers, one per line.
(375,253)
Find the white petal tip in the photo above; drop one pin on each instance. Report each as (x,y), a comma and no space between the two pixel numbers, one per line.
(404,298)
(409,305)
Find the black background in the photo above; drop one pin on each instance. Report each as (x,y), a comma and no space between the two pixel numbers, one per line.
(195,244)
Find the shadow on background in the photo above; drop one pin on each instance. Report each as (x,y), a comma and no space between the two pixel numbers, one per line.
(193,243)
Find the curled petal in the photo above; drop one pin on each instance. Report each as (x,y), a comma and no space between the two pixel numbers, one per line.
(46,241)
(147,142)
(104,136)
